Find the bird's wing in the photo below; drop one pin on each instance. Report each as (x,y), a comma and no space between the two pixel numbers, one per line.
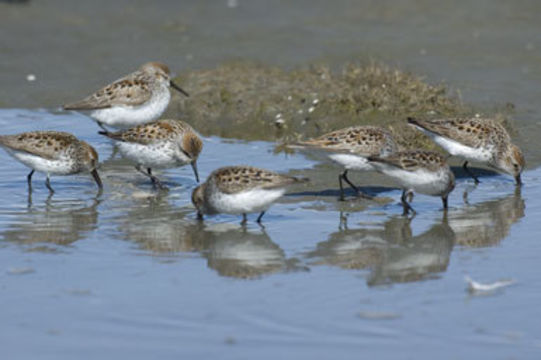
(132,90)
(234,179)
(46,144)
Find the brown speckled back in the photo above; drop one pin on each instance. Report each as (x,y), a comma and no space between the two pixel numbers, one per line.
(361,140)
(234,179)
(473,132)
(131,90)
(154,132)
(46,144)
(413,160)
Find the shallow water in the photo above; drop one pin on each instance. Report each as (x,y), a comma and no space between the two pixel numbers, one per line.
(130,273)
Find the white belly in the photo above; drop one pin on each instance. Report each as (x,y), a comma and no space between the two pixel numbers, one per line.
(455,148)
(160,155)
(120,116)
(421,181)
(250,201)
(63,166)
(352,162)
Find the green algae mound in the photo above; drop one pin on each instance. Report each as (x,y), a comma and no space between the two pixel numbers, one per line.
(252,101)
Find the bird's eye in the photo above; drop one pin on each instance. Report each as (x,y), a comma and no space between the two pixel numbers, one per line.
(515,166)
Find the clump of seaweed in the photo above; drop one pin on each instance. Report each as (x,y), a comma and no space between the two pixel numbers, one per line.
(252,101)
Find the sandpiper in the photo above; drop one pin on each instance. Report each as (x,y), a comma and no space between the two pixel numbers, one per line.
(53,153)
(161,144)
(425,172)
(351,146)
(240,190)
(137,98)
(475,139)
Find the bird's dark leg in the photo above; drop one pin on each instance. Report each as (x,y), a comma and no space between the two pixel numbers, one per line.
(468,171)
(155,180)
(259,217)
(445,202)
(345,177)
(405,204)
(407,207)
(97,179)
(358,192)
(152,177)
(341,198)
(29,180)
(48,184)
(244,220)
(146,173)
(409,196)
(138,168)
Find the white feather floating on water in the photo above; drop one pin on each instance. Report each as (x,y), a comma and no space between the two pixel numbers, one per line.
(476,287)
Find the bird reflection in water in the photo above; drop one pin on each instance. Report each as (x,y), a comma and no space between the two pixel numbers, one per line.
(390,250)
(393,254)
(487,223)
(59,222)
(231,250)
(244,254)
(413,258)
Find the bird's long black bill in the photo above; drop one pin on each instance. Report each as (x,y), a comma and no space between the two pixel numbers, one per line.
(97,178)
(178,88)
(518,179)
(194,167)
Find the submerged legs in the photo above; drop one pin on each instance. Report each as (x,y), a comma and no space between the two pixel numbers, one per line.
(157,183)
(48,184)
(29,180)
(445,202)
(245,219)
(259,217)
(405,204)
(468,171)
